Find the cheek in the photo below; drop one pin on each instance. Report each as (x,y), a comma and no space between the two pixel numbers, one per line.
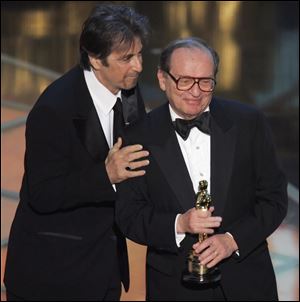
(118,72)
(176,100)
(207,99)
(174,93)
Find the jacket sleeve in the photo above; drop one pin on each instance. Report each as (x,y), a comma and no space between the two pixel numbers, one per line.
(140,221)
(52,179)
(271,200)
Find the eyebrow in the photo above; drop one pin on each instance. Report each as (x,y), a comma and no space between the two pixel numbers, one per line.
(129,55)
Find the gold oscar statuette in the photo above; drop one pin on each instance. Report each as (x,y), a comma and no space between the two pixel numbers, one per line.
(195,273)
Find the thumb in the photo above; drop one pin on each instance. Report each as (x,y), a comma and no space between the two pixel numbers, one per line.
(117,145)
(211,209)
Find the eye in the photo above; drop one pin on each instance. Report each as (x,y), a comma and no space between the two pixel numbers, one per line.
(186,81)
(127,58)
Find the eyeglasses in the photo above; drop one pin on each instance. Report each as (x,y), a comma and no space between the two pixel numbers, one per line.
(186,83)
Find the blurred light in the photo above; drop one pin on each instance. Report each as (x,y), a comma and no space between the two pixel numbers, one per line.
(198,10)
(229,51)
(228,14)
(176,12)
(37,23)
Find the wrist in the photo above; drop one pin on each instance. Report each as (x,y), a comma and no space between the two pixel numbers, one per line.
(233,242)
(179,228)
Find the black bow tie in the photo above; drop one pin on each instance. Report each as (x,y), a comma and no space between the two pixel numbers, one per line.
(183,127)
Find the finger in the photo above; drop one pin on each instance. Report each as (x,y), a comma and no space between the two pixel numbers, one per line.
(138,164)
(117,145)
(211,209)
(136,155)
(204,227)
(215,261)
(196,245)
(209,221)
(208,224)
(202,214)
(210,251)
(131,148)
(202,246)
(202,224)
(131,174)
(211,260)
(202,230)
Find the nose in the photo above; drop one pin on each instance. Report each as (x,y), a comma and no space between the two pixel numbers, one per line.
(137,64)
(195,90)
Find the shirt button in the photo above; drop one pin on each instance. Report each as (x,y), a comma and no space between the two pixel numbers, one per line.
(197,148)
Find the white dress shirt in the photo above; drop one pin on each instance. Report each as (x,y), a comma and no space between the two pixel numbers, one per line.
(104,102)
(196,154)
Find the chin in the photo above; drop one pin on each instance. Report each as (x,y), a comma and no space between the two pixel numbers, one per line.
(130,85)
(193,113)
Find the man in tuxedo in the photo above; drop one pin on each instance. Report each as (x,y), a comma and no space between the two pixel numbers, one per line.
(64,244)
(194,137)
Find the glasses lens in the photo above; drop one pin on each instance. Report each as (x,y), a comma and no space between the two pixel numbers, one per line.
(185,83)
(206,84)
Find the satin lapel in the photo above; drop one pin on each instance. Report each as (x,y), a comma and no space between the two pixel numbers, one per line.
(223,141)
(170,159)
(130,106)
(133,105)
(87,123)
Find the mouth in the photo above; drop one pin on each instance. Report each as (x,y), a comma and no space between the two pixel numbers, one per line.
(133,77)
(192,101)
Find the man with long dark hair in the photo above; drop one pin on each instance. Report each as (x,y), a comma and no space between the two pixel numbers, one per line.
(63,243)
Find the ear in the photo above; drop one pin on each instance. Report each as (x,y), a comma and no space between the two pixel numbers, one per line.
(161,79)
(96,63)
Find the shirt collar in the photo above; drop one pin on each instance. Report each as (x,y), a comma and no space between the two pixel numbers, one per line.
(102,97)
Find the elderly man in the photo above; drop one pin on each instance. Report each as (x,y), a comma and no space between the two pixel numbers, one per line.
(194,137)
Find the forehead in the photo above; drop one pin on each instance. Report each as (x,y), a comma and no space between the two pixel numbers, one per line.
(123,49)
(191,59)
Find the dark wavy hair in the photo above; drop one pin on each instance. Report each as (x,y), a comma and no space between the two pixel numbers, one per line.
(191,42)
(108,27)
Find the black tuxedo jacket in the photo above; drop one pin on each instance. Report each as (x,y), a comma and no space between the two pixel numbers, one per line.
(248,191)
(63,243)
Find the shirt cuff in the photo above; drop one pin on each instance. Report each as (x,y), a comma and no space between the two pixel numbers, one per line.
(178,237)
(237,252)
